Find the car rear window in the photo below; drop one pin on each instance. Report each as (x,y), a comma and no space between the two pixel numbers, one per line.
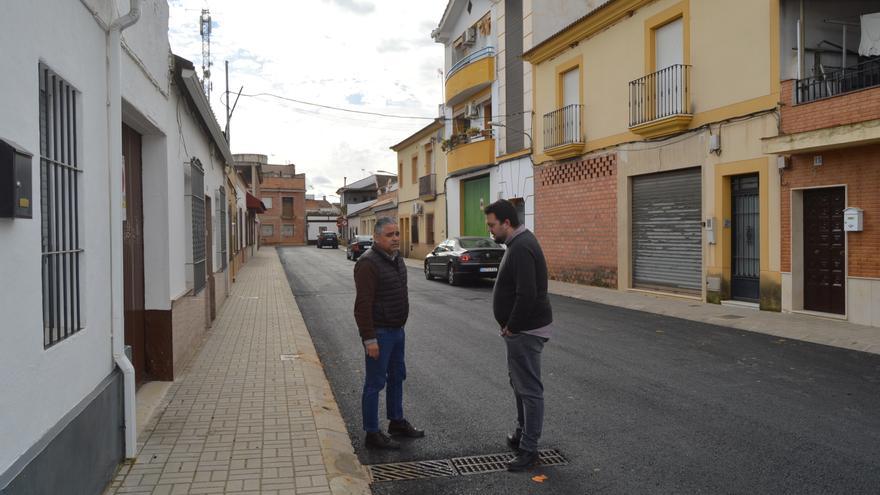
(478,243)
(329,234)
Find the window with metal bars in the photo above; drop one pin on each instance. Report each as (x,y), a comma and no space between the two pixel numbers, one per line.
(287,208)
(59,208)
(199,229)
(221,215)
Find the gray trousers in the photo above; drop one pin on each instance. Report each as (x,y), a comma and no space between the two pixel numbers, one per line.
(524,368)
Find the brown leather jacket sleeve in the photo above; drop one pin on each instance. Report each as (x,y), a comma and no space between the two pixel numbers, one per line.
(366,278)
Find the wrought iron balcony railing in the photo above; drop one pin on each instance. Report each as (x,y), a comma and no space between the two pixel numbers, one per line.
(563,127)
(840,81)
(428,185)
(659,95)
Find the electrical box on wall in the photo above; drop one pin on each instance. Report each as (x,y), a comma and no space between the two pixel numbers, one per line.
(710,230)
(852,219)
(15,181)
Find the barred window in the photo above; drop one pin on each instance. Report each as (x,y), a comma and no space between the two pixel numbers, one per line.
(287,231)
(59,208)
(221,220)
(196,217)
(267,230)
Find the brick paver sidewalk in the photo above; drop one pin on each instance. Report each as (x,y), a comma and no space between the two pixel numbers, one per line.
(241,418)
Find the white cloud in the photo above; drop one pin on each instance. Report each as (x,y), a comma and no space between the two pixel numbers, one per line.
(314,54)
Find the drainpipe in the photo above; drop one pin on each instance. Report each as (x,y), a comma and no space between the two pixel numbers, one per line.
(115,177)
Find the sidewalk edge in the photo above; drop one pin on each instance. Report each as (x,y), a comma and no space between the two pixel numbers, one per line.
(345,474)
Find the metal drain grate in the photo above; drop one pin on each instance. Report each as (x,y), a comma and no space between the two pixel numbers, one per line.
(478,464)
(458,466)
(411,470)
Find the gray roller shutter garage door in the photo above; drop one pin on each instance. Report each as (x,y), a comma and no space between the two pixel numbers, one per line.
(666,231)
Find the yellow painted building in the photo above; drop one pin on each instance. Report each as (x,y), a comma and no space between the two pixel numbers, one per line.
(648,119)
(421,197)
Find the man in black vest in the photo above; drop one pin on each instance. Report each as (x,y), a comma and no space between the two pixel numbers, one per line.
(381,308)
(523,312)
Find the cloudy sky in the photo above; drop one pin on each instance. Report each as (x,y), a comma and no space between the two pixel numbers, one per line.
(367,55)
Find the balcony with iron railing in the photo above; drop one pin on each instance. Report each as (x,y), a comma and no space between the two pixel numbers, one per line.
(659,103)
(428,187)
(837,82)
(470,75)
(563,132)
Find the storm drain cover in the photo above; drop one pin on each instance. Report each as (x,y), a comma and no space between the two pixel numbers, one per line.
(496,462)
(411,470)
(458,466)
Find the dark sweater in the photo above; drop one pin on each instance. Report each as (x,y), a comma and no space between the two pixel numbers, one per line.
(382,299)
(519,299)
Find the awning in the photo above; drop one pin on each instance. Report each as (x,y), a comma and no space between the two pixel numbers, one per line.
(255,204)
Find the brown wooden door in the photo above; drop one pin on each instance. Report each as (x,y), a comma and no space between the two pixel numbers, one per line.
(824,250)
(133,251)
(209,256)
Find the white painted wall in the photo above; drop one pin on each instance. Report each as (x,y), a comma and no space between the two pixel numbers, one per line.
(515,179)
(550,16)
(315,227)
(39,386)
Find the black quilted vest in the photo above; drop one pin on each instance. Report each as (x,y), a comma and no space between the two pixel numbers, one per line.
(391,305)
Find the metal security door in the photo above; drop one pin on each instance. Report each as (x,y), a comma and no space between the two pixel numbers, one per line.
(824,250)
(666,231)
(475,197)
(745,239)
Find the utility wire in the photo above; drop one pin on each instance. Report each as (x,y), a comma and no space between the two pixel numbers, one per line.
(363,112)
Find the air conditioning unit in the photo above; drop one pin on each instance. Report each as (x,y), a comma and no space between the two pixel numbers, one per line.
(469,37)
(472,111)
(417,208)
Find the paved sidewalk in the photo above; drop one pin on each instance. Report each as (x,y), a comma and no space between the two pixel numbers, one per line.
(253,412)
(814,329)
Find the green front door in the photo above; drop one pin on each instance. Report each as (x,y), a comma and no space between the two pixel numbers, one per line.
(475,196)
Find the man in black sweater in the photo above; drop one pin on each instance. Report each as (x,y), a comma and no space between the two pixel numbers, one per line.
(523,311)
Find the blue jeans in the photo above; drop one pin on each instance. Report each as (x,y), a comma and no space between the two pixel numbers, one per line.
(390,368)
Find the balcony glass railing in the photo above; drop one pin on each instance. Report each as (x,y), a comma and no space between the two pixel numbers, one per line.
(563,127)
(472,57)
(844,80)
(659,95)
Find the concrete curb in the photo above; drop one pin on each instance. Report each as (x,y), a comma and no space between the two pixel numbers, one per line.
(345,474)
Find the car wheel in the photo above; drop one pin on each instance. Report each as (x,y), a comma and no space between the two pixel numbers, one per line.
(428,275)
(450,276)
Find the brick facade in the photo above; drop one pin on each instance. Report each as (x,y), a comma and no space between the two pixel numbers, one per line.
(576,219)
(847,108)
(278,185)
(859,169)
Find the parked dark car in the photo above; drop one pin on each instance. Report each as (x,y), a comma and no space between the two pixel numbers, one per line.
(328,239)
(357,246)
(464,258)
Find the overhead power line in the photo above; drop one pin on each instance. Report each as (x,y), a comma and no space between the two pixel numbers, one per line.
(362,112)
(330,107)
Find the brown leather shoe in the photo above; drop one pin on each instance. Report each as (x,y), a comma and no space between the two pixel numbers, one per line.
(403,428)
(379,440)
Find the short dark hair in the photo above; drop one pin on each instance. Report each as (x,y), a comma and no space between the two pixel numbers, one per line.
(503,210)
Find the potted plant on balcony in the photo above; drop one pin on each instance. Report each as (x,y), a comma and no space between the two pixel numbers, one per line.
(487,133)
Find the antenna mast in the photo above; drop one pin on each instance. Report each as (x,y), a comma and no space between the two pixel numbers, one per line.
(205,30)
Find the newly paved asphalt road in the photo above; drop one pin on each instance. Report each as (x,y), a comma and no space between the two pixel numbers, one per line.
(639,403)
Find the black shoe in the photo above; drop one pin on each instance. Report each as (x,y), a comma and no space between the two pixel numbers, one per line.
(513,439)
(379,440)
(524,459)
(402,428)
